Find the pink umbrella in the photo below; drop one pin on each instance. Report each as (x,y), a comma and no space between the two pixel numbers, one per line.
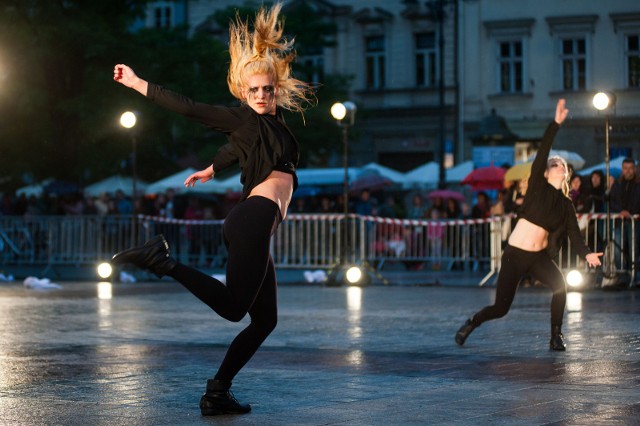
(485,178)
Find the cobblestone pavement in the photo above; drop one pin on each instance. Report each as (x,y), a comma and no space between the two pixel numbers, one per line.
(140,354)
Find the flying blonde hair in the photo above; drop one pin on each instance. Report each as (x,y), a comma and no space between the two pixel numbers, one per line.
(265,51)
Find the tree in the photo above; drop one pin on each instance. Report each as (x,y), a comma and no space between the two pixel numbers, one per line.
(59,104)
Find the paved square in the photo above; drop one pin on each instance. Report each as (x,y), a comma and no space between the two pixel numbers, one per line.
(140,354)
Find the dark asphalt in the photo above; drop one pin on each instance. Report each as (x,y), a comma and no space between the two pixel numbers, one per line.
(140,354)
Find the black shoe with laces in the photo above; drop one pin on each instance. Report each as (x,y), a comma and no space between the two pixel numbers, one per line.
(153,255)
(218,399)
(464,332)
(557,339)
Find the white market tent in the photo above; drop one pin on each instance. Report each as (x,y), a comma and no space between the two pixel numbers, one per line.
(428,174)
(174,181)
(387,172)
(113,183)
(570,157)
(35,189)
(325,176)
(424,175)
(459,172)
(614,163)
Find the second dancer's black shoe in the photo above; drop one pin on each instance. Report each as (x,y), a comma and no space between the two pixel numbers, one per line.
(153,255)
(557,339)
(218,399)
(464,332)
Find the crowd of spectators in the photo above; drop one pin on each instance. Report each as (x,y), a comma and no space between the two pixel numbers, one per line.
(588,194)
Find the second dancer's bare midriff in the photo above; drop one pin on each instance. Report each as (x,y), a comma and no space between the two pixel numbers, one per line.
(529,236)
(278,187)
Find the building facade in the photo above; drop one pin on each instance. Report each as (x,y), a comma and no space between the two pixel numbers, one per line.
(430,77)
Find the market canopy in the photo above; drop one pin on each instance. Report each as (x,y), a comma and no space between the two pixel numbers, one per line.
(570,157)
(428,174)
(113,183)
(174,182)
(615,166)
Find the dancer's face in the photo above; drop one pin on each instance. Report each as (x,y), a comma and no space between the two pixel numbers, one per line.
(260,94)
(556,169)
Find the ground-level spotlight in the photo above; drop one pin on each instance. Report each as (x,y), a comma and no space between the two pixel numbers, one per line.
(105,291)
(104,270)
(353,275)
(575,278)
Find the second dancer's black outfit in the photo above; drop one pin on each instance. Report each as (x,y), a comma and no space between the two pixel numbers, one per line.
(549,208)
(260,144)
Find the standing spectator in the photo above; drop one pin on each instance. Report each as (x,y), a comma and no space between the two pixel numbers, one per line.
(453,210)
(417,210)
(625,200)
(497,208)
(363,205)
(123,204)
(482,207)
(390,208)
(435,236)
(437,203)
(515,196)
(298,206)
(102,204)
(325,205)
(577,194)
(193,211)
(594,193)
(594,203)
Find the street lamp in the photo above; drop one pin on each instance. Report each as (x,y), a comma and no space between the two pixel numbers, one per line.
(128,120)
(345,114)
(605,101)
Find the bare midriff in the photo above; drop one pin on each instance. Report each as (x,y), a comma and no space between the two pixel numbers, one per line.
(278,187)
(529,236)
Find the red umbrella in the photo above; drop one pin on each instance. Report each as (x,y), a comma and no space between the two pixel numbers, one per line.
(445,194)
(484,178)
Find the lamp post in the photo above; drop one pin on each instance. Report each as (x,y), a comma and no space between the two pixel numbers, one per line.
(605,101)
(128,120)
(344,113)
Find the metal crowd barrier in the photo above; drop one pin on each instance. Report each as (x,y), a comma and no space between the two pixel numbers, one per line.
(305,241)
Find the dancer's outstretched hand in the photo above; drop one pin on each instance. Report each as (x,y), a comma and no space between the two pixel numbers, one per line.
(593,259)
(561,111)
(124,74)
(201,176)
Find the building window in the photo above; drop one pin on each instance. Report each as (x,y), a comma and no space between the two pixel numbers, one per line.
(426,74)
(632,53)
(511,44)
(375,62)
(312,68)
(162,16)
(510,66)
(573,57)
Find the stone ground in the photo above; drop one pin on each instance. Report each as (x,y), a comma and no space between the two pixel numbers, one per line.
(140,354)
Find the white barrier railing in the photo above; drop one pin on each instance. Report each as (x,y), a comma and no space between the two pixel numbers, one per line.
(304,241)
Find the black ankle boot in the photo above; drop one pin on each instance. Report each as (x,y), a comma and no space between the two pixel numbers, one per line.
(464,332)
(153,255)
(219,400)
(557,339)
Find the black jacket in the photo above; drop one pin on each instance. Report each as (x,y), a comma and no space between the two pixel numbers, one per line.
(258,143)
(548,207)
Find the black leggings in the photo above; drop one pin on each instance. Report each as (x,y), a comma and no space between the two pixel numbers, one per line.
(251,280)
(515,264)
